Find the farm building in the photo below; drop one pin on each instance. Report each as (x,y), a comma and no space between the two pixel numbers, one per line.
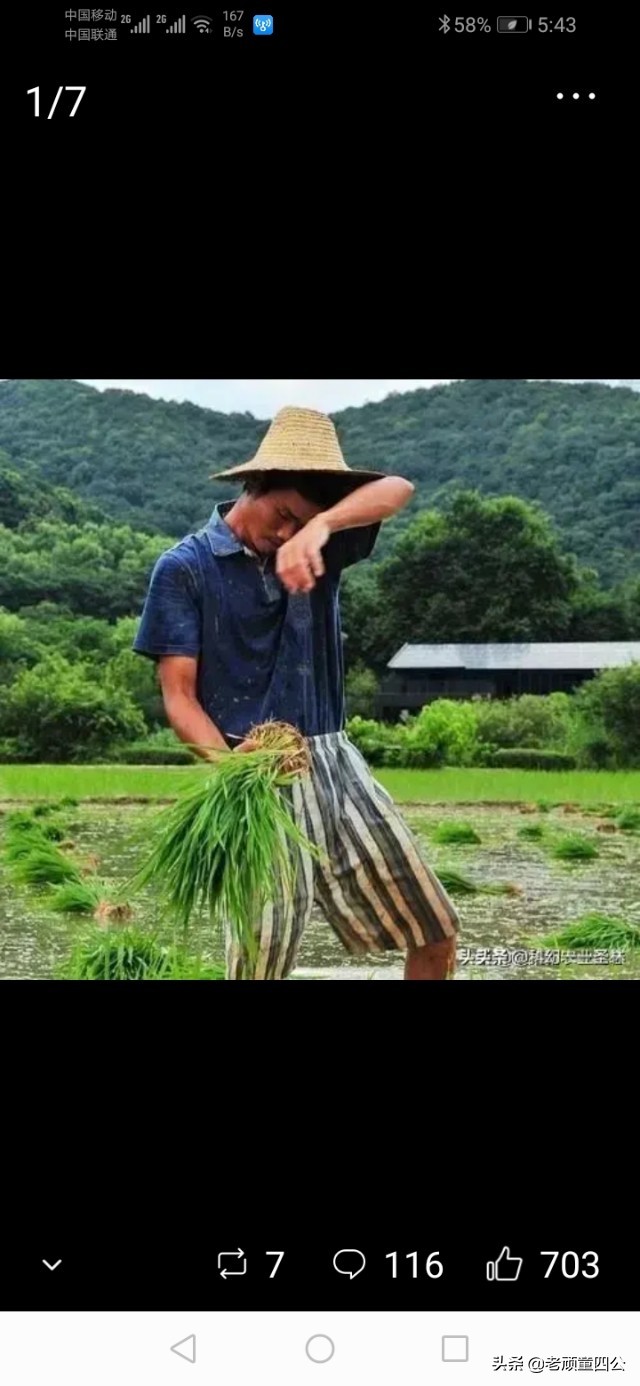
(420,673)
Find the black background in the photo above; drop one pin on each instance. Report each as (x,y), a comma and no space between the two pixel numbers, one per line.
(179,1269)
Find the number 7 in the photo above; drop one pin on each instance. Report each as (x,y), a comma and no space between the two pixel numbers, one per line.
(82,92)
(554,1256)
(279,1255)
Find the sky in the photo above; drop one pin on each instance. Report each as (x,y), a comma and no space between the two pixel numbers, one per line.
(263,398)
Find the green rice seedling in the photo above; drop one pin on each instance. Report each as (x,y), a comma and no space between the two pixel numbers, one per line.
(455,832)
(455,883)
(188,969)
(54,832)
(130,955)
(19,820)
(76,897)
(629,820)
(544,805)
(224,845)
(22,841)
(572,847)
(119,955)
(68,801)
(593,931)
(43,865)
(533,831)
(42,810)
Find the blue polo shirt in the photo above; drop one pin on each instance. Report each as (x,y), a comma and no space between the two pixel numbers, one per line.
(263,652)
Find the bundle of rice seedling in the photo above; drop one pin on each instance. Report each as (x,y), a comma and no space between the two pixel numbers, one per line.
(20,820)
(55,832)
(129,955)
(455,832)
(76,897)
(572,847)
(224,845)
(593,931)
(531,830)
(43,865)
(629,820)
(455,883)
(22,823)
(22,841)
(124,955)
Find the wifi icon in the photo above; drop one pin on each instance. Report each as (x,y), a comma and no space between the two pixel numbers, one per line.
(203,23)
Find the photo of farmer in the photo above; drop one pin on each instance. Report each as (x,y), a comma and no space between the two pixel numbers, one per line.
(243,619)
(319,680)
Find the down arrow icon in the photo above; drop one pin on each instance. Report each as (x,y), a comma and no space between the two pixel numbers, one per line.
(48,1263)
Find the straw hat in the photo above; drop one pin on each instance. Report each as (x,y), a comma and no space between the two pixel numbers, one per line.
(301,440)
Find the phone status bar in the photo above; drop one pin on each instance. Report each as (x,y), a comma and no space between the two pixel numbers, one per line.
(102,26)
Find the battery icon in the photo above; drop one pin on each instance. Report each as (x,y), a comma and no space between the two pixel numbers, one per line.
(512,24)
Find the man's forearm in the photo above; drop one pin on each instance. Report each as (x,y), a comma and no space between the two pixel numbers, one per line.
(191,723)
(376,500)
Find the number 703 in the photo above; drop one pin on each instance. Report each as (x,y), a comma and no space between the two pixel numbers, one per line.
(35,92)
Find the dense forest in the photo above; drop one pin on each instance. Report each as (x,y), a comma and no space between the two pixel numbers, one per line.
(78,544)
(574,449)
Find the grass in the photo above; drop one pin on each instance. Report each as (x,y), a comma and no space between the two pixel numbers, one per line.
(629,820)
(593,931)
(573,847)
(450,785)
(455,832)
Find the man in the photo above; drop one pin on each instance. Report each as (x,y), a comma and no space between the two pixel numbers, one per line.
(243,618)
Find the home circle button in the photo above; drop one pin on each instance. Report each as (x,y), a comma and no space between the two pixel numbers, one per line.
(320,1348)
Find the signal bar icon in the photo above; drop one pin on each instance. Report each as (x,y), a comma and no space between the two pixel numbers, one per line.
(144,27)
(203,23)
(180,26)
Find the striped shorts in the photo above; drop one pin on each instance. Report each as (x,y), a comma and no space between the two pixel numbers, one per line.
(376,892)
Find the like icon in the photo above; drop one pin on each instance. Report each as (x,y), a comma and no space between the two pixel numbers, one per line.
(505,1267)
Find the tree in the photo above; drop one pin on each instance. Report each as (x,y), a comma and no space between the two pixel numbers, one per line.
(572,448)
(361,686)
(608,718)
(481,570)
(59,712)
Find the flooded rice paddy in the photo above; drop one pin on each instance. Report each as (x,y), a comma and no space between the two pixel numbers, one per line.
(34,939)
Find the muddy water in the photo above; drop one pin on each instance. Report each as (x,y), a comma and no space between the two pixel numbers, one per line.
(33,939)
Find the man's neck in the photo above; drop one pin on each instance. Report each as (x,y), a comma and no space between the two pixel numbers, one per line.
(234,520)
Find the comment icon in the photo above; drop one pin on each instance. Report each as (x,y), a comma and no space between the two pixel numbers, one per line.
(349,1262)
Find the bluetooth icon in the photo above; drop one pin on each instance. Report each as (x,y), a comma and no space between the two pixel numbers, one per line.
(445,24)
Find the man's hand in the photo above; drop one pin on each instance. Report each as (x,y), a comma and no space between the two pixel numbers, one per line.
(246,745)
(299,561)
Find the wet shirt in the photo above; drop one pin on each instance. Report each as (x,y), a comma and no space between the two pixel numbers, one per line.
(262,652)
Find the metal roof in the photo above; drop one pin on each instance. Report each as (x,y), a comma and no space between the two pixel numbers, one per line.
(581,654)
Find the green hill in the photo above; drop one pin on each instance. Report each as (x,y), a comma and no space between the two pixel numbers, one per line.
(573,448)
(66,553)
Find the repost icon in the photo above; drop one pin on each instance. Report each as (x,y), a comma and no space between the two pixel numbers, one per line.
(352,1262)
(505,1267)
